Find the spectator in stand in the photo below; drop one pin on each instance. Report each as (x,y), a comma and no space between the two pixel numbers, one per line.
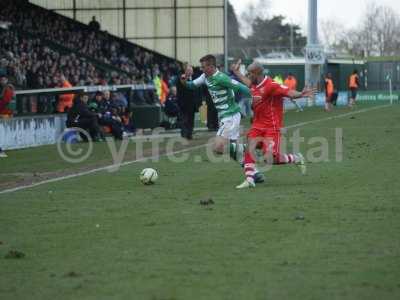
(107,98)
(139,97)
(118,98)
(3,66)
(119,101)
(94,25)
(80,116)
(127,121)
(171,107)
(65,101)
(164,90)
(151,97)
(7,93)
(31,65)
(107,114)
(95,103)
(96,44)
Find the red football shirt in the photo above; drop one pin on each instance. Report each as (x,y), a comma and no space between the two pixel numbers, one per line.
(268,104)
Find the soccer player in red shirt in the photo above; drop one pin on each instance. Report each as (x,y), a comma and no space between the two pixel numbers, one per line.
(268,120)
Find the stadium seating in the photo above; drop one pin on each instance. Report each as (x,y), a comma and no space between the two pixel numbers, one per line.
(29,63)
(106,56)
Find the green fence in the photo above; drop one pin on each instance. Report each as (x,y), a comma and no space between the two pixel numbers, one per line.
(378,73)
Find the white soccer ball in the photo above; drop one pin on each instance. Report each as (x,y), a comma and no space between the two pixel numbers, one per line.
(148,176)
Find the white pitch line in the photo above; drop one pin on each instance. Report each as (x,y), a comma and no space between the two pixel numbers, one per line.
(337,116)
(109,167)
(61,178)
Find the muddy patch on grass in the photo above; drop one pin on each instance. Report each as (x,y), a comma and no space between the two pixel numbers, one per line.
(72,274)
(14,254)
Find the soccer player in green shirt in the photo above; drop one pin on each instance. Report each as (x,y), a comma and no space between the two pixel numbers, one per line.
(222,90)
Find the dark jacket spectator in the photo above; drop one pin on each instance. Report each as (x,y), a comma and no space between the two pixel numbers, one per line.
(188,102)
(108,114)
(171,107)
(80,116)
(94,25)
(119,101)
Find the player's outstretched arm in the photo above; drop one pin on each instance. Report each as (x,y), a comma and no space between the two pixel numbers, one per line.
(244,90)
(235,85)
(235,68)
(193,84)
(306,93)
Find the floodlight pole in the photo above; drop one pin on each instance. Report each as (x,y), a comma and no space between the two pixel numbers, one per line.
(291,38)
(312,71)
(226,36)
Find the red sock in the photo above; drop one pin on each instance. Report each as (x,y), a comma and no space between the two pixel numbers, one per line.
(249,166)
(286,159)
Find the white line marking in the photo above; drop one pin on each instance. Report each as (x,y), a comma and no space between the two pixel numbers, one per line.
(337,116)
(23,187)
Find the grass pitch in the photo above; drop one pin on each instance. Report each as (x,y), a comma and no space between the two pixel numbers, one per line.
(332,234)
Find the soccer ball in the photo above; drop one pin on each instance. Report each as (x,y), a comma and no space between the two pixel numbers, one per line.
(148,176)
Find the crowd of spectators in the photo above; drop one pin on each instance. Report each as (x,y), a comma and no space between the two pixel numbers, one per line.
(31,64)
(41,49)
(87,41)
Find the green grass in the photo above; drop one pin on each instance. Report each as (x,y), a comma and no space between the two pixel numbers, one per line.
(36,164)
(332,234)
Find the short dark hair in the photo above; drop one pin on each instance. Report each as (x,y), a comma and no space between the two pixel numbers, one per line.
(209,59)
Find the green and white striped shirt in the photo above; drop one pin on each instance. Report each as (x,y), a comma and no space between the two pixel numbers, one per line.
(222,90)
